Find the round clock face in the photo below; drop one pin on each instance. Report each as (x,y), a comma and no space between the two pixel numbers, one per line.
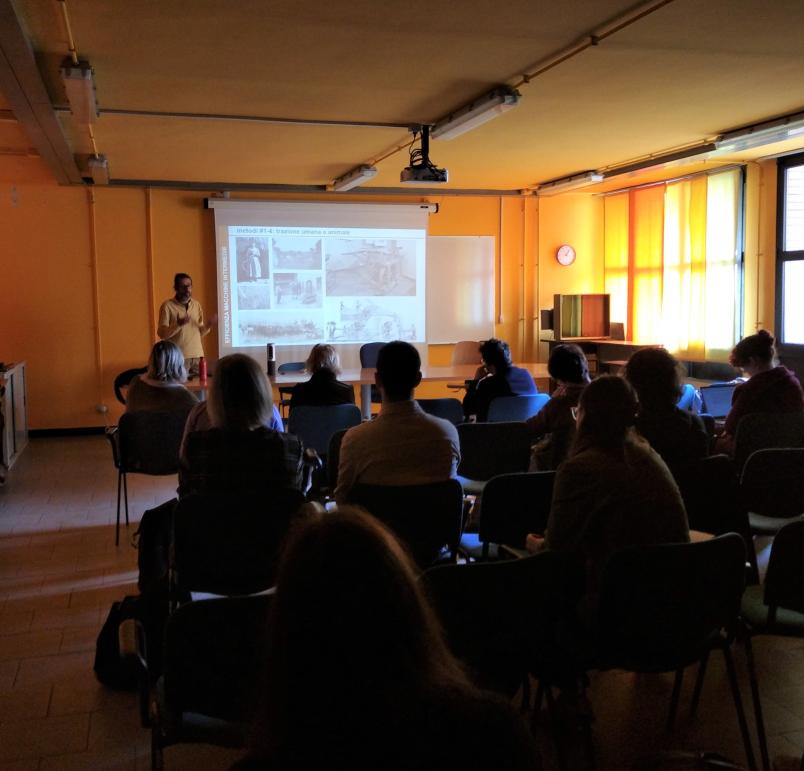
(565,255)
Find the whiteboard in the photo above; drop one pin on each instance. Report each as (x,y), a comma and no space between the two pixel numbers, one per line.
(460,288)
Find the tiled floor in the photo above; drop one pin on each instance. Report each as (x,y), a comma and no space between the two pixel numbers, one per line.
(60,571)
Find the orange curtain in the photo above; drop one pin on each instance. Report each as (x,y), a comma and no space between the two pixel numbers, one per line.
(684,277)
(646,220)
(615,252)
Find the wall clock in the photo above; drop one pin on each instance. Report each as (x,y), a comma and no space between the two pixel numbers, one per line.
(565,255)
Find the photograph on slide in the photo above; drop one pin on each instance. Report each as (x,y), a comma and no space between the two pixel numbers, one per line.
(359,320)
(296,253)
(370,267)
(259,328)
(253,297)
(252,259)
(297,290)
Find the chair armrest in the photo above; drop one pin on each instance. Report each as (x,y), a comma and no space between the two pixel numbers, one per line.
(113,435)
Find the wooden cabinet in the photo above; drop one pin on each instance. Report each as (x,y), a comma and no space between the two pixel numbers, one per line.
(14,408)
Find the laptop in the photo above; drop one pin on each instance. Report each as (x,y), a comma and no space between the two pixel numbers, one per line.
(717,399)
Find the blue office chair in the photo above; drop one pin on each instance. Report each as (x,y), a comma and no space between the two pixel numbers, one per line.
(449,409)
(690,399)
(368,360)
(507,408)
(316,425)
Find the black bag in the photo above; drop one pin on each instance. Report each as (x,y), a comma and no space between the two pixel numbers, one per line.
(153,546)
(111,669)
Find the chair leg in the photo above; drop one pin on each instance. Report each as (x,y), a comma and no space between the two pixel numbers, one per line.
(556,728)
(758,716)
(699,681)
(125,494)
(525,705)
(117,527)
(671,715)
(157,759)
(738,704)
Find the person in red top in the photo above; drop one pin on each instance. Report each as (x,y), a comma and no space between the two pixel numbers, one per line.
(770,387)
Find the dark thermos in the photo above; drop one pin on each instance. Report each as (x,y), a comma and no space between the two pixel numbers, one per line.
(271,358)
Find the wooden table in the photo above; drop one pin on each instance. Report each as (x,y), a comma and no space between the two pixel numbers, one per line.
(365,379)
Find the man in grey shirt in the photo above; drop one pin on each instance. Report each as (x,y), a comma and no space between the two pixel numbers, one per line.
(403,445)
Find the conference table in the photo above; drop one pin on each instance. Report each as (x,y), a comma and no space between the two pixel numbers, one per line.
(365,379)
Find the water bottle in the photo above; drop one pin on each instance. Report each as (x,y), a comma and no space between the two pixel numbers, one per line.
(202,371)
(271,359)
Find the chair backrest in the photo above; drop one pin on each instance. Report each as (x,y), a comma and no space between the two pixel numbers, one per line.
(772,482)
(660,606)
(368,354)
(150,441)
(784,581)
(502,618)
(213,657)
(424,517)
(290,366)
(489,449)
(229,544)
(123,379)
(315,425)
(515,505)
(449,409)
(334,457)
(710,497)
(689,399)
(761,430)
(507,408)
(466,352)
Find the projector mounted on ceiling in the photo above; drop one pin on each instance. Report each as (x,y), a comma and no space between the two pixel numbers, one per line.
(422,171)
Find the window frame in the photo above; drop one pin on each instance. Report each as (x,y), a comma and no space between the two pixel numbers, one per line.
(784,256)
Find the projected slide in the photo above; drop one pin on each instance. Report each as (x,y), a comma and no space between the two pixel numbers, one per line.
(300,285)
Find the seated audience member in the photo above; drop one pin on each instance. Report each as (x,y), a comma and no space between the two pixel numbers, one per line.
(770,387)
(161,388)
(239,454)
(554,422)
(495,377)
(677,435)
(613,491)
(403,445)
(323,387)
(358,674)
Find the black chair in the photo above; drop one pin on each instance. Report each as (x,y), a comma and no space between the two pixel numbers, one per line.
(448,409)
(213,656)
(315,425)
(368,360)
(145,443)
(511,408)
(285,392)
(426,518)
(502,618)
(490,449)
(772,488)
(228,544)
(513,506)
(763,430)
(123,379)
(663,608)
(777,607)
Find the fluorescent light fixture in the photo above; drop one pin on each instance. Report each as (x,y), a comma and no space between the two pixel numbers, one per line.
(764,133)
(665,161)
(488,106)
(565,184)
(353,178)
(79,83)
(98,166)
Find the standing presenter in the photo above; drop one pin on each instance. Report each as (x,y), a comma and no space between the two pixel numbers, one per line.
(181,320)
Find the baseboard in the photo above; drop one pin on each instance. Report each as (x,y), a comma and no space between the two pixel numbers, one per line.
(40,433)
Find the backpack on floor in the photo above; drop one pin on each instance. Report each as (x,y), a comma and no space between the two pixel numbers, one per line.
(114,670)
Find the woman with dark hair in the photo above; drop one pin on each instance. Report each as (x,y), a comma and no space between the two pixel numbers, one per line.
(554,424)
(770,387)
(677,435)
(613,491)
(358,674)
(323,387)
(497,376)
(161,388)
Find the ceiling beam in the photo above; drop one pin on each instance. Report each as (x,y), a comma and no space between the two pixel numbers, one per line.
(22,85)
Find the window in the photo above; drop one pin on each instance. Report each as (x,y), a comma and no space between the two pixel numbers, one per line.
(673,263)
(790,256)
